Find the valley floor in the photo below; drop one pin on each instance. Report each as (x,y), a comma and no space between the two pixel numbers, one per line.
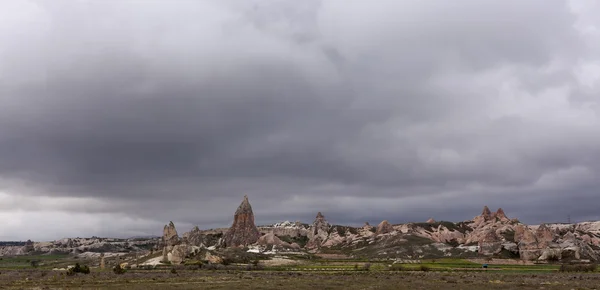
(207,279)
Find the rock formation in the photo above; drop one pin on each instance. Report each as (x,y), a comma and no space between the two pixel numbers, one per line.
(384,227)
(243,231)
(490,243)
(272,240)
(486,212)
(170,237)
(544,236)
(28,247)
(319,231)
(178,254)
(501,215)
(194,237)
(431,221)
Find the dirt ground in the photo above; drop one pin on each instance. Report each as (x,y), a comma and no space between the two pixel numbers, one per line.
(207,279)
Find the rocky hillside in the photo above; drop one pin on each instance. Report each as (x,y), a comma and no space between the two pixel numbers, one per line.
(490,234)
(81,246)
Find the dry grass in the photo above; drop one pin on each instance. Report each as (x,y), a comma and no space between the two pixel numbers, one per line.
(204,279)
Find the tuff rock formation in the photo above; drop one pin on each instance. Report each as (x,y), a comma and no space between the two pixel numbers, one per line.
(272,240)
(318,232)
(384,227)
(243,231)
(431,221)
(490,244)
(501,215)
(486,212)
(194,237)
(170,237)
(169,240)
(178,254)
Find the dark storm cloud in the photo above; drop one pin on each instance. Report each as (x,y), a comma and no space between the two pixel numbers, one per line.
(400,111)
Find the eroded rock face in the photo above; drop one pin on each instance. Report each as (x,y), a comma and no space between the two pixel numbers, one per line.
(177,255)
(194,237)
(431,221)
(319,232)
(544,236)
(271,239)
(170,237)
(384,227)
(490,244)
(28,247)
(243,232)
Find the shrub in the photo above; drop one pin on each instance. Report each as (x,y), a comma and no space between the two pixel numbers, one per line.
(118,270)
(367,267)
(173,271)
(424,268)
(227,261)
(78,269)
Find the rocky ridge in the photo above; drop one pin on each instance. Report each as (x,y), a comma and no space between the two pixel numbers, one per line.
(488,234)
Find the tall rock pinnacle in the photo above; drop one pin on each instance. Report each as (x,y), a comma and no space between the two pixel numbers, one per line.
(501,215)
(170,237)
(486,212)
(243,232)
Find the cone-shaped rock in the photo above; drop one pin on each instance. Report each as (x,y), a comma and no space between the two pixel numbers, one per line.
(384,227)
(243,232)
(486,212)
(431,221)
(318,232)
(501,215)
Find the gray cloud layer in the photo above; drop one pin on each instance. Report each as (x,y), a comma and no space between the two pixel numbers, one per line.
(150,111)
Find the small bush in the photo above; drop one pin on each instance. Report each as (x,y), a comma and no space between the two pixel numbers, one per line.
(78,269)
(173,271)
(367,267)
(424,268)
(118,270)
(397,267)
(227,261)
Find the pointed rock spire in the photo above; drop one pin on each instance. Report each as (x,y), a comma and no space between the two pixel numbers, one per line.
(486,212)
(318,232)
(170,237)
(384,227)
(501,215)
(243,231)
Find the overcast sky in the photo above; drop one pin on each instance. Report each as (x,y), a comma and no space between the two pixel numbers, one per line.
(119,116)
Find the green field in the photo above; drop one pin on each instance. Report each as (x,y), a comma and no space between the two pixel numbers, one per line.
(318,273)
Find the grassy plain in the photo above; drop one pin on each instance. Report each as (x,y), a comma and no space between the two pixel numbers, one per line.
(15,273)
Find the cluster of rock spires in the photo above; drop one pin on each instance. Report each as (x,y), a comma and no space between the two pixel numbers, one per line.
(491,233)
(488,234)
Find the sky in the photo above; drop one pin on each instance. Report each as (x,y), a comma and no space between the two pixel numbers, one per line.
(117,117)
